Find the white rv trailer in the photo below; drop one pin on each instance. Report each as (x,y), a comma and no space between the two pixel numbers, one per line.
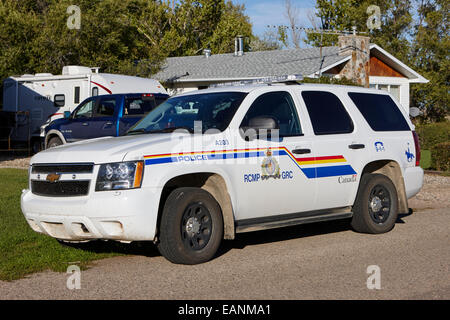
(46,96)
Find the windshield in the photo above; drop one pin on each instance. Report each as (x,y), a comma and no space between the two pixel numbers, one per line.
(206,111)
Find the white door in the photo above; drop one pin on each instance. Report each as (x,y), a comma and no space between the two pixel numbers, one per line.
(338,150)
(268,179)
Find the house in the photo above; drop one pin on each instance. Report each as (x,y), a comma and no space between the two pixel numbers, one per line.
(354,57)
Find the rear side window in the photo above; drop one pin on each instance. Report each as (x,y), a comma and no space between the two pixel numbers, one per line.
(380,111)
(106,107)
(327,113)
(138,106)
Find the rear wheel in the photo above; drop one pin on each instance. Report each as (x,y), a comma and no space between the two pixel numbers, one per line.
(54,142)
(191,226)
(376,205)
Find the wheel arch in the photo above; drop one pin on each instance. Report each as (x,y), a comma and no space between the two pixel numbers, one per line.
(53,133)
(392,170)
(211,182)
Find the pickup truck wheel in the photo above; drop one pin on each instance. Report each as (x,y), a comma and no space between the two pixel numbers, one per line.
(53,142)
(376,205)
(191,227)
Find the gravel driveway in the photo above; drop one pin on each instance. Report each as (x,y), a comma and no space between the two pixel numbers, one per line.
(316,261)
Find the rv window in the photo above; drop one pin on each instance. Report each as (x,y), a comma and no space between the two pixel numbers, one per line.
(59,100)
(95,91)
(76,96)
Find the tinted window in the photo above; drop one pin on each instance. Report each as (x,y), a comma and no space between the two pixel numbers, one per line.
(327,113)
(380,111)
(140,106)
(59,100)
(277,105)
(106,107)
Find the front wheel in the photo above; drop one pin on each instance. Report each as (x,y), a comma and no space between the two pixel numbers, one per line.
(191,227)
(54,142)
(376,206)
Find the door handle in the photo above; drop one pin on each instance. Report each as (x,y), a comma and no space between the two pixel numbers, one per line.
(301,151)
(357,146)
(85,123)
(108,123)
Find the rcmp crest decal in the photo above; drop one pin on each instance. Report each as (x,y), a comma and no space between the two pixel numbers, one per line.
(270,167)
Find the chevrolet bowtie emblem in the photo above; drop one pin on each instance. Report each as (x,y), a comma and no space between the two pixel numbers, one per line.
(53,177)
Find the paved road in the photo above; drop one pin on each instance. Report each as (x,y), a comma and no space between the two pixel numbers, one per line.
(320,261)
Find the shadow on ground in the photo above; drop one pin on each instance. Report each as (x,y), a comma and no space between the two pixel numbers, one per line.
(149,249)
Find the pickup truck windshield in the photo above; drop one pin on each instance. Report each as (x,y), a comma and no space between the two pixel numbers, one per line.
(211,110)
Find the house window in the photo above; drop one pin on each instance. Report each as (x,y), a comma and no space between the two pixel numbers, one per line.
(391,88)
(395,91)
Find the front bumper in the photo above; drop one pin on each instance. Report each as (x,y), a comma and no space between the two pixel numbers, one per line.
(126,215)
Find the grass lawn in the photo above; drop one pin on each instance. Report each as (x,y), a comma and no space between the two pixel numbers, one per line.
(23,251)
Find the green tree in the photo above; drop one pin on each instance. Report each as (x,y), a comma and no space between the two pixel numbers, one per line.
(128,36)
(342,15)
(430,55)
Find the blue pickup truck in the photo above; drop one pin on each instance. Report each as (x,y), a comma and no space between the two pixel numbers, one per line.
(100,116)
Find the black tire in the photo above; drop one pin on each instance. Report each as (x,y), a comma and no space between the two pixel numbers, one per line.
(54,142)
(376,205)
(191,227)
(35,146)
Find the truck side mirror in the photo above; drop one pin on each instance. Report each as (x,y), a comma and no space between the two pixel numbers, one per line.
(66,114)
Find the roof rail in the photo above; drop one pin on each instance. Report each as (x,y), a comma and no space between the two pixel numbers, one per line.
(287,79)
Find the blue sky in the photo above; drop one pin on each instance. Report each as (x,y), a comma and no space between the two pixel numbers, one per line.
(271,12)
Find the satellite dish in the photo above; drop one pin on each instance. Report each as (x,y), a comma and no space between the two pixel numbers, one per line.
(414,112)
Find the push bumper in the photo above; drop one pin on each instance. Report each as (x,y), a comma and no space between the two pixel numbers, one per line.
(126,215)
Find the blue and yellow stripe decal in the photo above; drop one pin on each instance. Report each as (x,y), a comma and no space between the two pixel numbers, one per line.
(333,165)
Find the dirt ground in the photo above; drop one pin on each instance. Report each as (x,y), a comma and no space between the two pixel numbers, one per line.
(317,261)
(14,161)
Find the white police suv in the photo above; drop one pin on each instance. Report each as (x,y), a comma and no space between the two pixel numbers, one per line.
(208,164)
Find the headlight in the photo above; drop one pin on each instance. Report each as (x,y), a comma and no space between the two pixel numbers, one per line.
(119,176)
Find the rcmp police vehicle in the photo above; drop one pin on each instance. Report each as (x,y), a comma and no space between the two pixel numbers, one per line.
(206,165)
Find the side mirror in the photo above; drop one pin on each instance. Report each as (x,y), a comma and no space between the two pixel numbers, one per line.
(66,114)
(267,123)
(260,127)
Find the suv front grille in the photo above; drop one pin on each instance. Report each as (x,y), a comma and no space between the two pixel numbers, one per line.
(61,179)
(60,188)
(63,168)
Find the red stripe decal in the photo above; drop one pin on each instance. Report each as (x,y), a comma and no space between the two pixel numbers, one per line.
(104,88)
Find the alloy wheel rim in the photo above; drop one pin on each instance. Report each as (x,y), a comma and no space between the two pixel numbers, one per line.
(379,204)
(196,226)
